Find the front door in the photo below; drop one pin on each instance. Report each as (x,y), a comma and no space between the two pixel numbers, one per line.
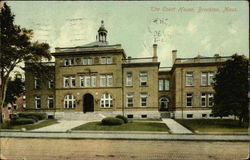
(88,103)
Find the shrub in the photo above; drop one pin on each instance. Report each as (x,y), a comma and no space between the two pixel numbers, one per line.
(112,121)
(125,119)
(22,121)
(5,125)
(39,116)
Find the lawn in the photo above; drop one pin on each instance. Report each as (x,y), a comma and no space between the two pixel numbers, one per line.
(30,126)
(213,125)
(131,126)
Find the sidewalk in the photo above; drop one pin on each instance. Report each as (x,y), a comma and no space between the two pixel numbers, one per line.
(62,126)
(175,127)
(125,136)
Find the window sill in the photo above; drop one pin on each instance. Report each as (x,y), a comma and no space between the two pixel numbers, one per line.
(189,86)
(164,90)
(144,86)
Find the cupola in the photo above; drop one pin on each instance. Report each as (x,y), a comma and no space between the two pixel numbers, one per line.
(102,33)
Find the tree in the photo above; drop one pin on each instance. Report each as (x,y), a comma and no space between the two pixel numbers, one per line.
(231,89)
(14,88)
(16,47)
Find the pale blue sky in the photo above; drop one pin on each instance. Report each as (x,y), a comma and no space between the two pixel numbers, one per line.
(66,24)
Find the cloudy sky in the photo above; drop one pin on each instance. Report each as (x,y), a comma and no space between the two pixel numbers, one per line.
(193,28)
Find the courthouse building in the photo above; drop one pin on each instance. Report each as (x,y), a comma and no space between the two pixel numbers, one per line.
(99,79)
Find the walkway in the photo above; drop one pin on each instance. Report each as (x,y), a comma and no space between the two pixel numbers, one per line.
(175,127)
(125,136)
(62,126)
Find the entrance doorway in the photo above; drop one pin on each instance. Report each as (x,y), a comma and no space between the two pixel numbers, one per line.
(88,103)
(164,104)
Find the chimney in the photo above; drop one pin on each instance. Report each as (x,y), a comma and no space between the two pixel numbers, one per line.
(154,52)
(174,55)
(217,58)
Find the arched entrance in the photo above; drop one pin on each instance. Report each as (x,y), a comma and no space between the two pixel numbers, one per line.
(88,103)
(164,104)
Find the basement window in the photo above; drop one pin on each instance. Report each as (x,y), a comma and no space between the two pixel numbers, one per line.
(130,116)
(144,116)
(189,115)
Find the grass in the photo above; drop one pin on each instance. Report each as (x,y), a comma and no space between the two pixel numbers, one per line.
(30,126)
(131,126)
(213,125)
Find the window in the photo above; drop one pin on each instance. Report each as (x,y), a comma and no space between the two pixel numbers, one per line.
(129,99)
(109,80)
(189,99)
(144,97)
(93,81)
(103,80)
(189,115)
(207,99)
(50,101)
(106,60)
(14,106)
(109,60)
(69,101)
(87,61)
(37,83)
(81,81)
(106,101)
(69,81)
(143,78)
(129,79)
(103,60)
(37,102)
(130,116)
(210,78)
(207,78)
(68,62)
(163,85)
(203,100)
(203,78)
(144,116)
(87,81)
(106,80)
(210,99)
(189,79)
(73,81)
(204,115)
(66,82)
(51,83)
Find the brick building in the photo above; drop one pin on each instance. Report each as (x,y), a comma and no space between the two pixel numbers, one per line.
(100,78)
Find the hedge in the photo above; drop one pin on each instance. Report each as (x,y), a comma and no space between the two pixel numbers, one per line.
(33,115)
(125,119)
(22,121)
(112,121)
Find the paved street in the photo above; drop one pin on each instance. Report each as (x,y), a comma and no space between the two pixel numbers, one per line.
(62,149)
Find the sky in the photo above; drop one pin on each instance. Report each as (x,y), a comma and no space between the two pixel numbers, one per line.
(190,27)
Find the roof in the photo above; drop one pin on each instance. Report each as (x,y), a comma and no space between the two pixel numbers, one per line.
(95,44)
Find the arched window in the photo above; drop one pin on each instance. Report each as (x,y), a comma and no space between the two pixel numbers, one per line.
(106,101)
(164,103)
(69,101)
